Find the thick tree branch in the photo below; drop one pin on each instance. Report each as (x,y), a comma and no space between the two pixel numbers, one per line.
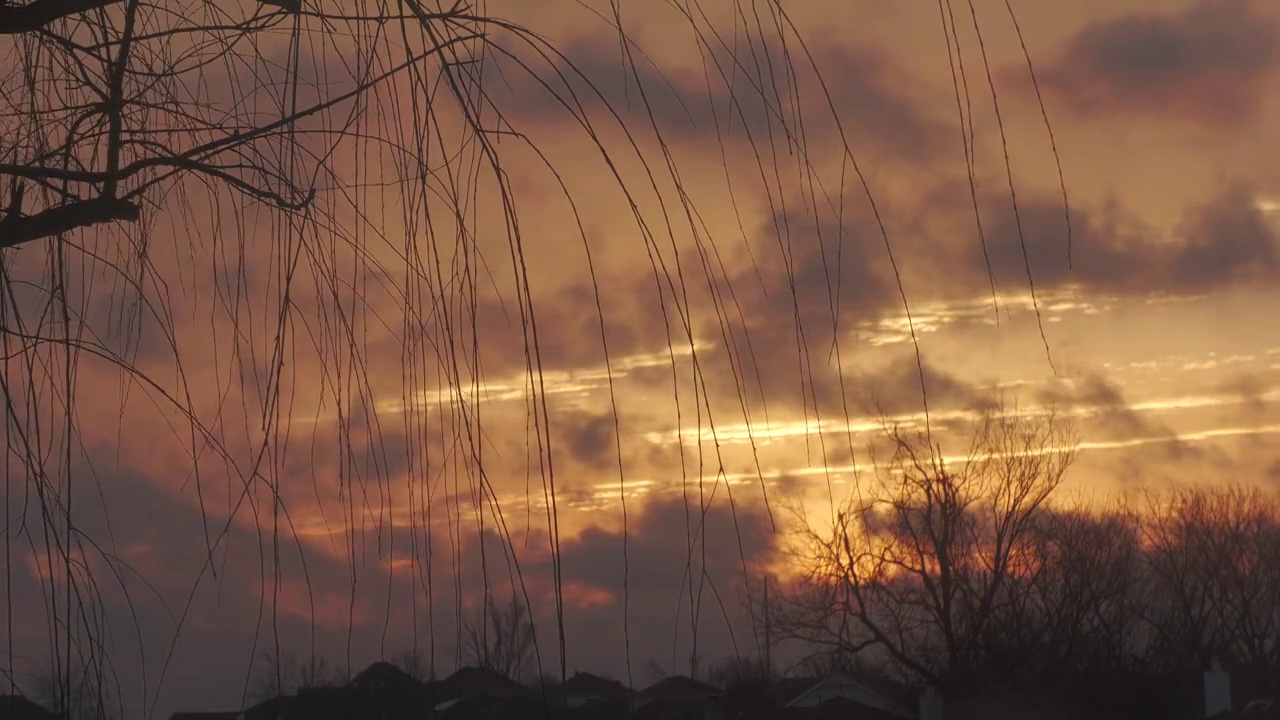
(17,19)
(16,230)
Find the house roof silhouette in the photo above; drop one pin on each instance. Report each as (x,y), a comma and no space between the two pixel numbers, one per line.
(584,683)
(678,685)
(17,707)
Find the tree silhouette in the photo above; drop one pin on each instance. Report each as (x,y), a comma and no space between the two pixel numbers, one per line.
(278,675)
(501,639)
(921,572)
(79,692)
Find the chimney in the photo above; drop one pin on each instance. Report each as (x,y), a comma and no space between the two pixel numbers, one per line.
(1217,689)
(930,704)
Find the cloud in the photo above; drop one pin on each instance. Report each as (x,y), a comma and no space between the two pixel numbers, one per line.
(815,280)
(1226,240)
(1215,245)
(663,561)
(368,587)
(1097,396)
(591,439)
(736,99)
(649,585)
(665,542)
(1105,414)
(811,280)
(1250,388)
(895,388)
(145,546)
(1209,64)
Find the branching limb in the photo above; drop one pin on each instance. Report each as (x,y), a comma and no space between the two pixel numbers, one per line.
(15,229)
(17,19)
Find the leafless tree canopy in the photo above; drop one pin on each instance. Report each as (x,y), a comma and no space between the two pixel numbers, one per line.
(921,571)
(1213,559)
(278,675)
(412,662)
(79,692)
(969,574)
(110,103)
(501,639)
(1071,607)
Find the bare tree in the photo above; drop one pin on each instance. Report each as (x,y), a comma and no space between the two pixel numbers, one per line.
(286,674)
(501,638)
(1213,561)
(1074,607)
(1114,606)
(921,573)
(653,671)
(415,665)
(78,692)
(123,130)
(743,679)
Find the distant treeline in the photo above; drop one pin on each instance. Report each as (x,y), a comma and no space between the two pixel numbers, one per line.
(980,574)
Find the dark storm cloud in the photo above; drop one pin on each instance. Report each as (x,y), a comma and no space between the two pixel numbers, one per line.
(595,574)
(662,562)
(1105,253)
(868,91)
(895,388)
(590,438)
(569,326)
(1214,246)
(812,279)
(366,444)
(157,538)
(810,282)
(146,547)
(665,540)
(1223,241)
(868,95)
(1209,64)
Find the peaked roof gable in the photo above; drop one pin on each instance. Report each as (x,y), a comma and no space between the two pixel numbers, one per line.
(678,685)
(840,685)
(584,683)
(18,707)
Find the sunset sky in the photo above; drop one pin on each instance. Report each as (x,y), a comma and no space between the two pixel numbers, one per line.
(755,343)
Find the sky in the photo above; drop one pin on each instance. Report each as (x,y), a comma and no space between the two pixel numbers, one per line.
(727,312)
